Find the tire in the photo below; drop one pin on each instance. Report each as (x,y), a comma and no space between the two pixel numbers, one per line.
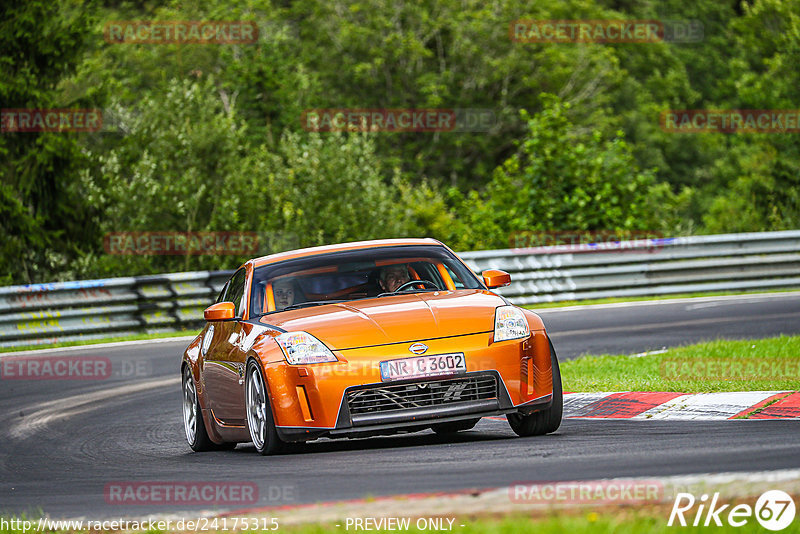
(260,420)
(193,424)
(543,421)
(455,426)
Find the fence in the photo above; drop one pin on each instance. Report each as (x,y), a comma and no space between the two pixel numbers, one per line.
(64,311)
(728,262)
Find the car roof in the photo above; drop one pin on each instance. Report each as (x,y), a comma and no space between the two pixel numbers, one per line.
(325,249)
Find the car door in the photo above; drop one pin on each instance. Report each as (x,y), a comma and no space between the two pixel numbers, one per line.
(223,372)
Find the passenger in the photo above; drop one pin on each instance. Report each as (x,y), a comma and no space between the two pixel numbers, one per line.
(283,290)
(393,276)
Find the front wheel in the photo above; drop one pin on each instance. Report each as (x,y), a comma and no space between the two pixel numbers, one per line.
(259,414)
(543,421)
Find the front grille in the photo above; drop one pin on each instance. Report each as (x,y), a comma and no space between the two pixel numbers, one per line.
(395,397)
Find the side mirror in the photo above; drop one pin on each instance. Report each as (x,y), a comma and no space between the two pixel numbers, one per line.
(222,311)
(494,278)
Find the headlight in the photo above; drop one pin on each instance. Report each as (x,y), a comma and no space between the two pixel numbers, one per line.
(301,348)
(510,323)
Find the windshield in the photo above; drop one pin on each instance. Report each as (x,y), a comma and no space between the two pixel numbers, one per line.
(357,274)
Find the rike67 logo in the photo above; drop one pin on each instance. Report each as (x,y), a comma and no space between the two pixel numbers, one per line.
(774,510)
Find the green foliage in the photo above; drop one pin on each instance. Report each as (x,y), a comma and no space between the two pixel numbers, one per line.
(324,189)
(766,195)
(43,215)
(182,163)
(208,137)
(595,185)
(177,154)
(763,187)
(449,54)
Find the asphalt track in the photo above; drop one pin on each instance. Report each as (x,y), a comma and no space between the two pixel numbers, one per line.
(63,442)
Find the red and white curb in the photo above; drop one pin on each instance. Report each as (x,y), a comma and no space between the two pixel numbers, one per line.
(699,406)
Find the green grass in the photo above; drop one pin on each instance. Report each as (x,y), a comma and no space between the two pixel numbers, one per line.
(614,300)
(134,337)
(750,365)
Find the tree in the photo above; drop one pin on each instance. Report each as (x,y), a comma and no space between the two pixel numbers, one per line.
(324,188)
(172,166)
(561,179)
(43,215)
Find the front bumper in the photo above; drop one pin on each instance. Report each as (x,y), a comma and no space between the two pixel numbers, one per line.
(416,418)
(315,401)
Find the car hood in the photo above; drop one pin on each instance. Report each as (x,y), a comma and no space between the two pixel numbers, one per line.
(394,319)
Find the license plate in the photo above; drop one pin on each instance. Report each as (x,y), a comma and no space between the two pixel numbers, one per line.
(423,366)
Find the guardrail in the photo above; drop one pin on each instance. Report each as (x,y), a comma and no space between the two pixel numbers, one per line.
(727,262)
(65,311)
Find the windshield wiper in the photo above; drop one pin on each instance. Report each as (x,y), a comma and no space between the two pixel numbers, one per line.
(310,303)
(407,292)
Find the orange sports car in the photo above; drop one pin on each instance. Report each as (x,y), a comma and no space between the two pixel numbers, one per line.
(361,339)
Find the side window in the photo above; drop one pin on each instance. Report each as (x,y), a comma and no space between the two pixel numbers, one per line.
(235,291)
(426,271)
(221,297)
(456,280)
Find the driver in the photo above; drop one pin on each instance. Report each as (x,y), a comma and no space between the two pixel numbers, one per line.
(393,276)
(283,292)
